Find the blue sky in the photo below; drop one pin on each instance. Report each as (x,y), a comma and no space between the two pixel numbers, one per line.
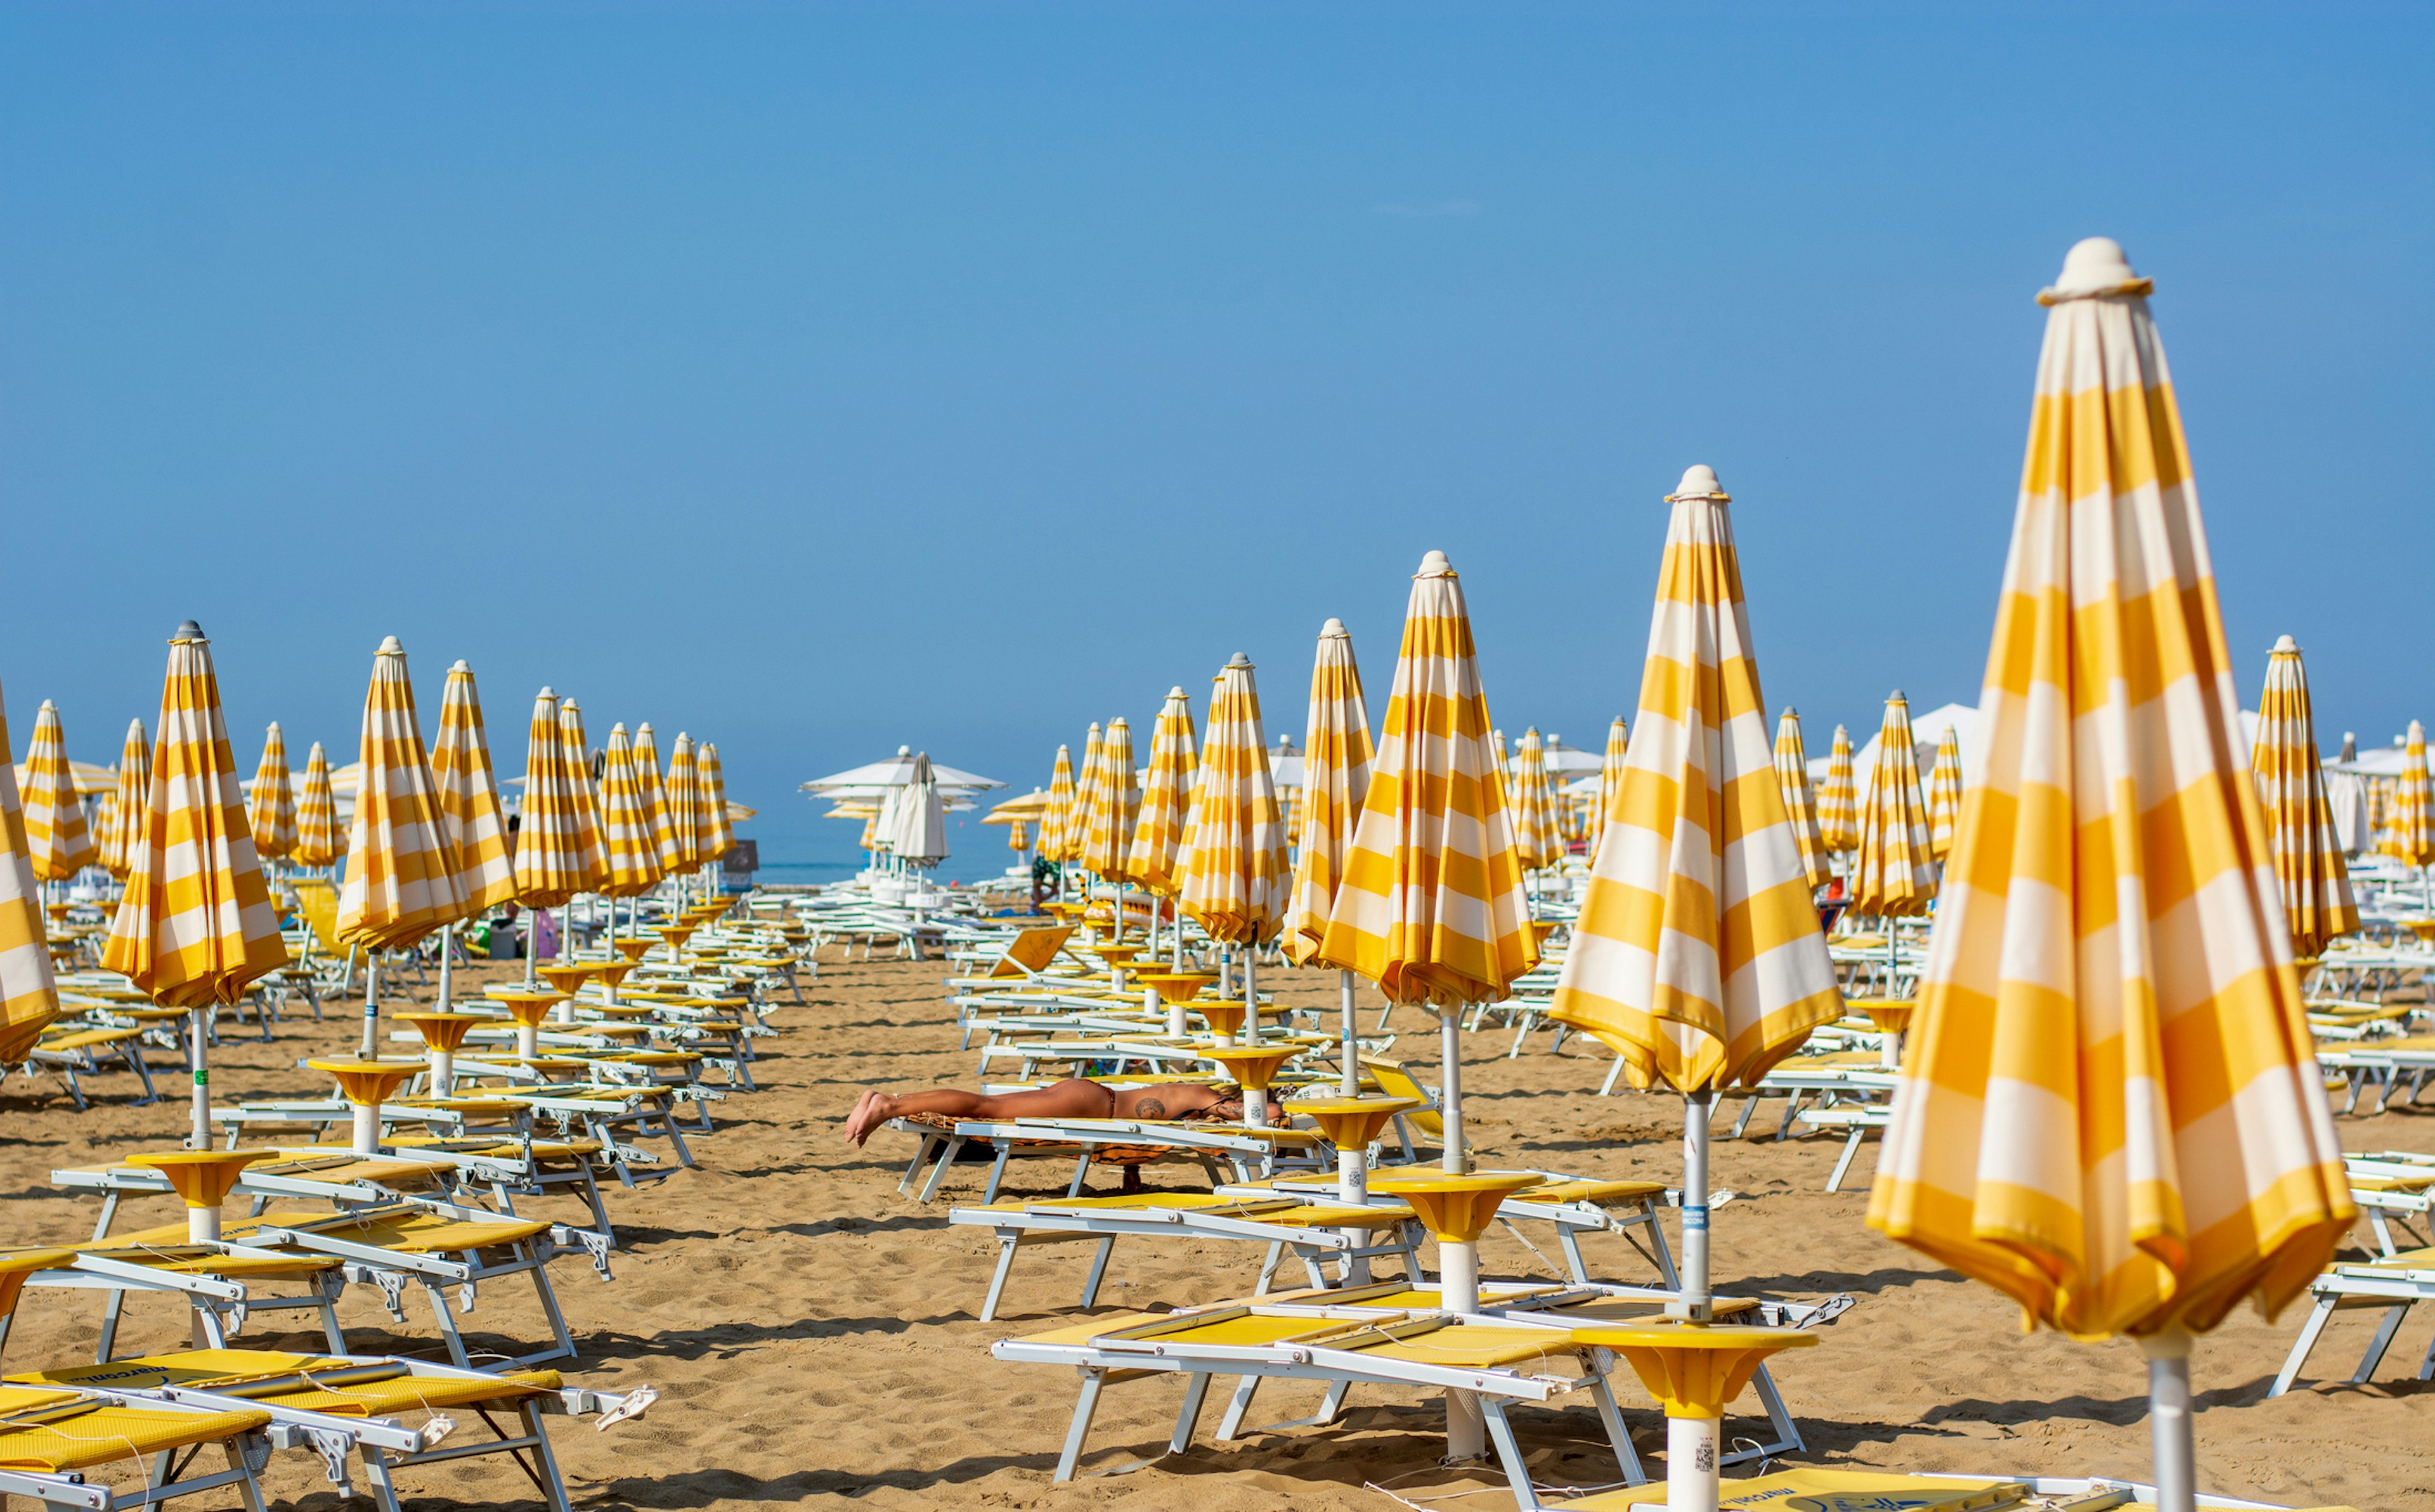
(825,378)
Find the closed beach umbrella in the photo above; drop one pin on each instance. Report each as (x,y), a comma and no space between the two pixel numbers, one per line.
(630,849)
(270,808)
(2316,882)
(1116,805)
(29,997)
(196,925)
(2410,816)
(1535,839)
(1077,835)
(470,813)
(1429,905)
(1232,859)
(1336,753)
(1697,955)
(1167,798)
(134,789)
(684,805)
(549,857)
(316,815)
(1018,836)
(577,749)
(55,826)
(401,880)
(1944,793)
(655,796)
(719,830)
(1895,876)
(1800,803)
(1619,752)
(2111,1109)
(1058,814)
(921,838)
(1839,797)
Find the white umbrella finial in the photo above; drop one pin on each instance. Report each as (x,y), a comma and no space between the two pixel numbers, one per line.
(390,646)
(1435,565)
(1698,482)
(2095,267)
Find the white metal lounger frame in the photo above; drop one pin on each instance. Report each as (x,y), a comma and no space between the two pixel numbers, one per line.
(2398,1287)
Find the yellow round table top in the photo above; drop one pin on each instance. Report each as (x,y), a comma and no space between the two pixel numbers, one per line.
(1442,1181)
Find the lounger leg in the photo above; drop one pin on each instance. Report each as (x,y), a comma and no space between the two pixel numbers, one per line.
(1843,1162)
(542,1289)
(1500,1433)
(1310,1267)
(437,1296)
(1196,1391)
(545,1459)
(913,1171)
(110,1314)
(1788,1432)
(329,1288)
(2426,1367)
(1241,1402)
(1099,1270)
(2383,1232)
(1269,1267)
(376,1472)
(1613,1074)
(248,1486)
(939,1172)
(1083,1409)
(1081,1169)
(2301,1346)
(2382,1341)
(1006,1245)
(1617,1435)
(109,1212)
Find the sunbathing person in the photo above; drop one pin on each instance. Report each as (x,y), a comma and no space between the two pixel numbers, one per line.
(1072,1098)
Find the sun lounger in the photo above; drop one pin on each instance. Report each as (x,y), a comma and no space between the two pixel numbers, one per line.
(2393,1284)
(54,1441)
(1251,1152)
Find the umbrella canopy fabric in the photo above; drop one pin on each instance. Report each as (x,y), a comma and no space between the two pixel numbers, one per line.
(920,835)
(718,823)
(401,881)
(2110,1108)
(1167,798)
(683,794)
(549,867)
(30,996)
(134,783)
(1610,785)
(1018,836)
(1335,780)
(1839,798)
(654,793)
(1895,876)
(1697,956)
(316,815)
(1232,859)
(1944,794)
(1027,809)
(1116,805)
(270,808)
(2410,816)
(196,925)
(1086,795)
(470,814)
(1800,803)
(55,826)
(1536,839)
(1059,815)
(1431,906)
(2316,882)
(630,849)
(896,771)
(575,748)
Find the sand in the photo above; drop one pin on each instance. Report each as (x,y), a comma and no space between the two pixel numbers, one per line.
(814,1338)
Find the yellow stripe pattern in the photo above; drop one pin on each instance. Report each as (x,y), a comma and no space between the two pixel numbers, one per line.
(633,850)
(1944,793)
(55,826)
(1895,876)
(2410,816)
(1535,837)
(1431,906)
(549,855)
(683,793)
(1167,798)
(655,796)
(1839,798)
(2110,1108)
(401,881)
(1232,859)
(1116,805)
(717,832)
(470,813)
(1697,955)
(1077,832)
(316,815)
(577,748)
(1335,779)
(196,924)
(270,808)
(29,997)
(1800,803)
(1610,793)
(134,783)
(1058,817)
(2291,775)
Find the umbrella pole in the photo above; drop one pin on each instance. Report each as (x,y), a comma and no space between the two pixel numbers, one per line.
(372,1003)
(1454,1159)
(447,960)
(2168,1418)
(1346,1053)
(1250,995)
(199,1137)
(1695,1305)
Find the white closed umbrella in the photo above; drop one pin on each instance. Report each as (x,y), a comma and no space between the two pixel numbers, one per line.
(920,838)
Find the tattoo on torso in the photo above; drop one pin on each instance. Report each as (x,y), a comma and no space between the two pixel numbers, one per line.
(1150,1107)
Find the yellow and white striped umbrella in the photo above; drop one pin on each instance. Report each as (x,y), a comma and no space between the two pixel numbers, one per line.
(1800,804)
(1018,836)
(1167,798)
(632,850)
(1697,956)
(869,840)
(1077,834)
(316,815)
(470,814)
(55,826)
(1610,789)
(1839,798)
(2316,881)
(29,997)
(683,794)
(1895,876)
(549,867)
(270,808)
(1944,793)
(717,828)
(1116,805)
(1232,859)
(1058,816)
(654,791)
(1431,905)
(2110,1108)
(577,748)
(1337,752)
(1288,812)
(1535,837)
(401,880)
(134,777)
(2410,813)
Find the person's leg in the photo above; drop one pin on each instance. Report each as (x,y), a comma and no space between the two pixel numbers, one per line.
(1073,1098)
